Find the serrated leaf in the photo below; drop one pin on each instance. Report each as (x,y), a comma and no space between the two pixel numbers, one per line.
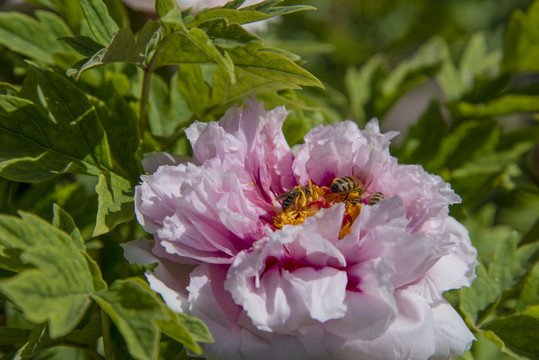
(34,38)
(83,44)
(193,47)
(30,231)
(63,221)
(134,309)
(101,24)
(122,48)
(115,197)
(483,292)
(57,291)
(70,10)
(271,66)
(34,147)
(518,332)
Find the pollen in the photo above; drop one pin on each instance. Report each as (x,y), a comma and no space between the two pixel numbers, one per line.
(305,201)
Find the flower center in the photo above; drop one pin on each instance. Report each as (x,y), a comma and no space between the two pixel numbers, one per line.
(304,201)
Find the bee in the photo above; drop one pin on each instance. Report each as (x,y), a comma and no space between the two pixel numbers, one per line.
(291,197)
(354,185)
(376,198)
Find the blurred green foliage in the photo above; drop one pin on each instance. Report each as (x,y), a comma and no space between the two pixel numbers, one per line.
(459,79)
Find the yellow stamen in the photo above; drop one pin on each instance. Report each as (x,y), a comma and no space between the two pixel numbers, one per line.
(310,199)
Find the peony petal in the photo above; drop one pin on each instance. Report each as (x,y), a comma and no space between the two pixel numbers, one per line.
(452,335)
(375,294)
(411,335)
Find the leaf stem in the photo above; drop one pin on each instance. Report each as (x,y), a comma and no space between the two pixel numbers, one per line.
(144,97)
(146,84)
(105,325)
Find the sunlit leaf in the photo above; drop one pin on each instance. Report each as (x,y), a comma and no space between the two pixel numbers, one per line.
(115,196)
(122,48)
(134,309)
(101,24)
(63,221)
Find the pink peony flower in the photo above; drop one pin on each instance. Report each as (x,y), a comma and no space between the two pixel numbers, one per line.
(258,244)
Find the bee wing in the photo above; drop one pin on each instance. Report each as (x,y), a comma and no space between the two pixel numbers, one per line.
(283,195)
(363,176)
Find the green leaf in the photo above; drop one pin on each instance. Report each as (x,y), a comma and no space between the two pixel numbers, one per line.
(37,341)
(101,24)
(529,294)
(168,108)
(477,177)
(359,84)
(430,55)
(227,35)
(33,38)
(115,196)
(173,20)
(185,329)
(34,147)
(193,47)
(470,139)
(476,299)
(134,309)
(30,231)
(424,138)
(63,221)
(121,126)
(224,93)
(57,291)
(122,48)
(148,39)
(518,333)
(271,66)
(162,7)
(511,265)
(70,10)
(194,88)
(83,44)
(248,14)
(504,105)
(12,335)
(521,37)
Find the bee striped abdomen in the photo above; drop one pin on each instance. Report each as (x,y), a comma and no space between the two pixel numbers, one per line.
(345,184)
(376,198)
